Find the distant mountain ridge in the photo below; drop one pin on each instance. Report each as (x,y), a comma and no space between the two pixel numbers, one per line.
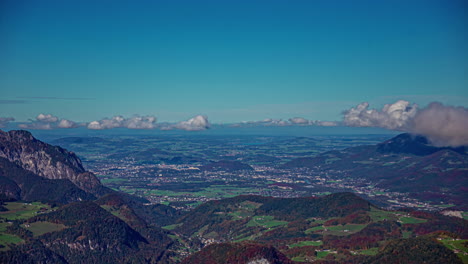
(414,144)
(405,163)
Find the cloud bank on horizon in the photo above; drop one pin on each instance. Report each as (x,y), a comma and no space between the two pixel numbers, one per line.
(48,121)
(135,122)
(295,121)
(4,121)
(442,125)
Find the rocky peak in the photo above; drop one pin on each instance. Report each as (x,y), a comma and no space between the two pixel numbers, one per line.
(45,160)
(18,135)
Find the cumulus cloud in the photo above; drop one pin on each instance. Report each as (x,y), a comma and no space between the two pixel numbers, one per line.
(300,121)
(135,122)
(48,121)
(442,125)
(42,121)
(294,121)
(64,123)
(269,122)
(196,123)
(5,120)
(392,116)
(46,118)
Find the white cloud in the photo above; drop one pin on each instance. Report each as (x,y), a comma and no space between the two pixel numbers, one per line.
(5,120)
(64,123)
(295,121)
(442,125)
(391,116)
(43,122)
(135,122)
(36,125)
(46,118)
(141,122)
(48,121)
(198,122)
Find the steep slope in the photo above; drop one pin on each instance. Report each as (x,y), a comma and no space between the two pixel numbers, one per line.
(238,253)
(17,183)
(138,211)
(51,162)
(93,234)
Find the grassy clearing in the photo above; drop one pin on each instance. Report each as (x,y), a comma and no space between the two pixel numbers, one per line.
(265,221)
(112,180)
(7,239)
(299,259)
(239,215)
(114,211)
(445,205)
(314,229)
(20,210)
(407,234)
(248,205)
(40,228)
(459,247)
(380,215)
(411,220)
(171,227)
(322,254)
(341,230)
(306,243)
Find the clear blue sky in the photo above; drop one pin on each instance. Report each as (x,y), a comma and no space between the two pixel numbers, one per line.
(229,60)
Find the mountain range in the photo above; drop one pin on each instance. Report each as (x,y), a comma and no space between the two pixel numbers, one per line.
(53,211)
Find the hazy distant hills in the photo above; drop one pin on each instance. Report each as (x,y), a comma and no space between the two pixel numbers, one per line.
(405,163)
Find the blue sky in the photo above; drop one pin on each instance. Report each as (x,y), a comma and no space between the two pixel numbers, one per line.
(232,61)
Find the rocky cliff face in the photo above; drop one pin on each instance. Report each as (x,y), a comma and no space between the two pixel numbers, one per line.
(51,162)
